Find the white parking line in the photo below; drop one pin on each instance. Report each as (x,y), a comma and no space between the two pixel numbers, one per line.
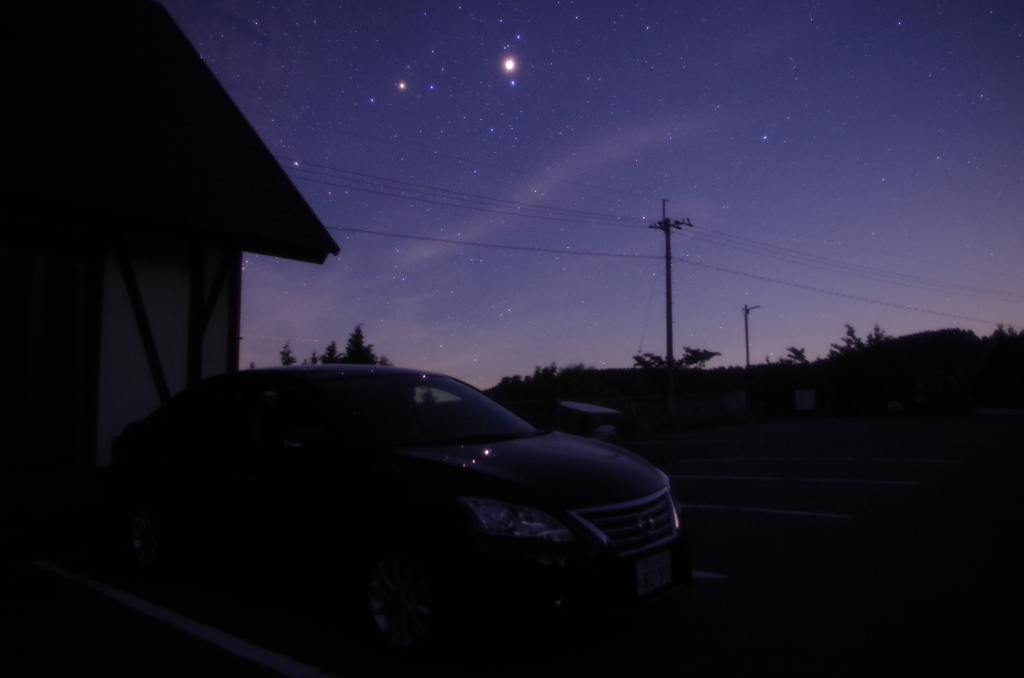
(890,460)
(709,576)
(844,481)
(694,441)
(778,512)
(234,645)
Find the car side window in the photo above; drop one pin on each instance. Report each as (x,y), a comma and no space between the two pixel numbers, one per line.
(437,409)
(283,412)
(218,414)
(212,427)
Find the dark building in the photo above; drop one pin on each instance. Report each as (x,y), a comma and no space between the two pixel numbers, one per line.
(133,185)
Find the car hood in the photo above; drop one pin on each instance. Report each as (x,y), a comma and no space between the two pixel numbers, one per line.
(555,469)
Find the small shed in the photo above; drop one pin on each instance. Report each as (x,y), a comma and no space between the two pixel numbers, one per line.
(134,184)
(585,419)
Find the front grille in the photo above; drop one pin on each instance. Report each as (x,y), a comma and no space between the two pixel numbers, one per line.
(634,525)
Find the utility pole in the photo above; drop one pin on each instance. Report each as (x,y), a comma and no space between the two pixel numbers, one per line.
(667,225)
(746,328)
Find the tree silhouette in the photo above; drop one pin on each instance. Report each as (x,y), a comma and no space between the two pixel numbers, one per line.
(286,355)
(357,351)
(693,358)
(851,343)
(877,336)
(330,355)
(795,356)
(697,357)
(650,361)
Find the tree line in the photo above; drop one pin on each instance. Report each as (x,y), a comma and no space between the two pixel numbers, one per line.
(357,352)
(951,370)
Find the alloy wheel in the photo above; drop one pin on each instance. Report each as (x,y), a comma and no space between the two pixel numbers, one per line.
(145,537)
(400,601)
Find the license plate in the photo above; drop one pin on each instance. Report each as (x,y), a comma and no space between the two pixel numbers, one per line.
(653,572)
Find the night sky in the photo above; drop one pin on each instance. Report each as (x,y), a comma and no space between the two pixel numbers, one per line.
(490,170)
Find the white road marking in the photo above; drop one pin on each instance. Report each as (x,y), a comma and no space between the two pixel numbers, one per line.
(778,512)
(694,441)
(868,459)
(234,645)
(846,481)
(709,576)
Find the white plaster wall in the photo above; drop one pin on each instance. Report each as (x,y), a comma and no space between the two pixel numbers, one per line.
(127,391)
(215,342)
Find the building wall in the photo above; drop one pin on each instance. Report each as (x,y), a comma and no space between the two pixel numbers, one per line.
(222,333)
(129,385)
(46,338)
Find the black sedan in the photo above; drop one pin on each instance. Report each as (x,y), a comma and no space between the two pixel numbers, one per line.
(412,496)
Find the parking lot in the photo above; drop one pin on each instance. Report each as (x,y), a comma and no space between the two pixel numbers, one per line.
(820,547)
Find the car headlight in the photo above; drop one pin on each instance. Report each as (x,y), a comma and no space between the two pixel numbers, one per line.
(508,520)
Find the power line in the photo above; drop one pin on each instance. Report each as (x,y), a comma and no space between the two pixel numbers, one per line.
(836,294)
(451,198)
(871,250)
(470,243)
(384,182)
(689,262)
(478,163)
(856,270)
(442,202)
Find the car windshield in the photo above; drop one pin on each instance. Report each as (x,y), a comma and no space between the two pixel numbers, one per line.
(413,410)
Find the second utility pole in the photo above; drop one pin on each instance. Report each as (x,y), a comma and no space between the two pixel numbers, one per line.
(746,329)
(666,225)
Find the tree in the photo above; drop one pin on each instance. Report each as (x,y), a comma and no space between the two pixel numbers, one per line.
(795,356)
(877,336)
(358,352)
(649,361)
(694,358)
(330,355)
(697,357)
(851,343)
(1005,333)
(286,355)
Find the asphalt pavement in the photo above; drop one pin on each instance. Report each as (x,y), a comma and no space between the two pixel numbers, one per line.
(849,547)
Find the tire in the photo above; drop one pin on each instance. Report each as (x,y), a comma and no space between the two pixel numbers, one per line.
(404,604)
(145,539)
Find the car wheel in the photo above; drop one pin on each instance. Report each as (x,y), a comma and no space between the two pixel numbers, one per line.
(402,603)
(145,539)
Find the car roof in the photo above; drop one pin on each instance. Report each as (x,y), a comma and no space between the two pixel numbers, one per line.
(334,371)
(301,376)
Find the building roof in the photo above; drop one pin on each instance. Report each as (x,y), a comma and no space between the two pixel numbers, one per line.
(587,408)
(114,110)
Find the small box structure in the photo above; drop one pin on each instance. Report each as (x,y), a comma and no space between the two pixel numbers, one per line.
(593,421)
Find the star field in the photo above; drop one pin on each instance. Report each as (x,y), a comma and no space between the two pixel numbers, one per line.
(489,170)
